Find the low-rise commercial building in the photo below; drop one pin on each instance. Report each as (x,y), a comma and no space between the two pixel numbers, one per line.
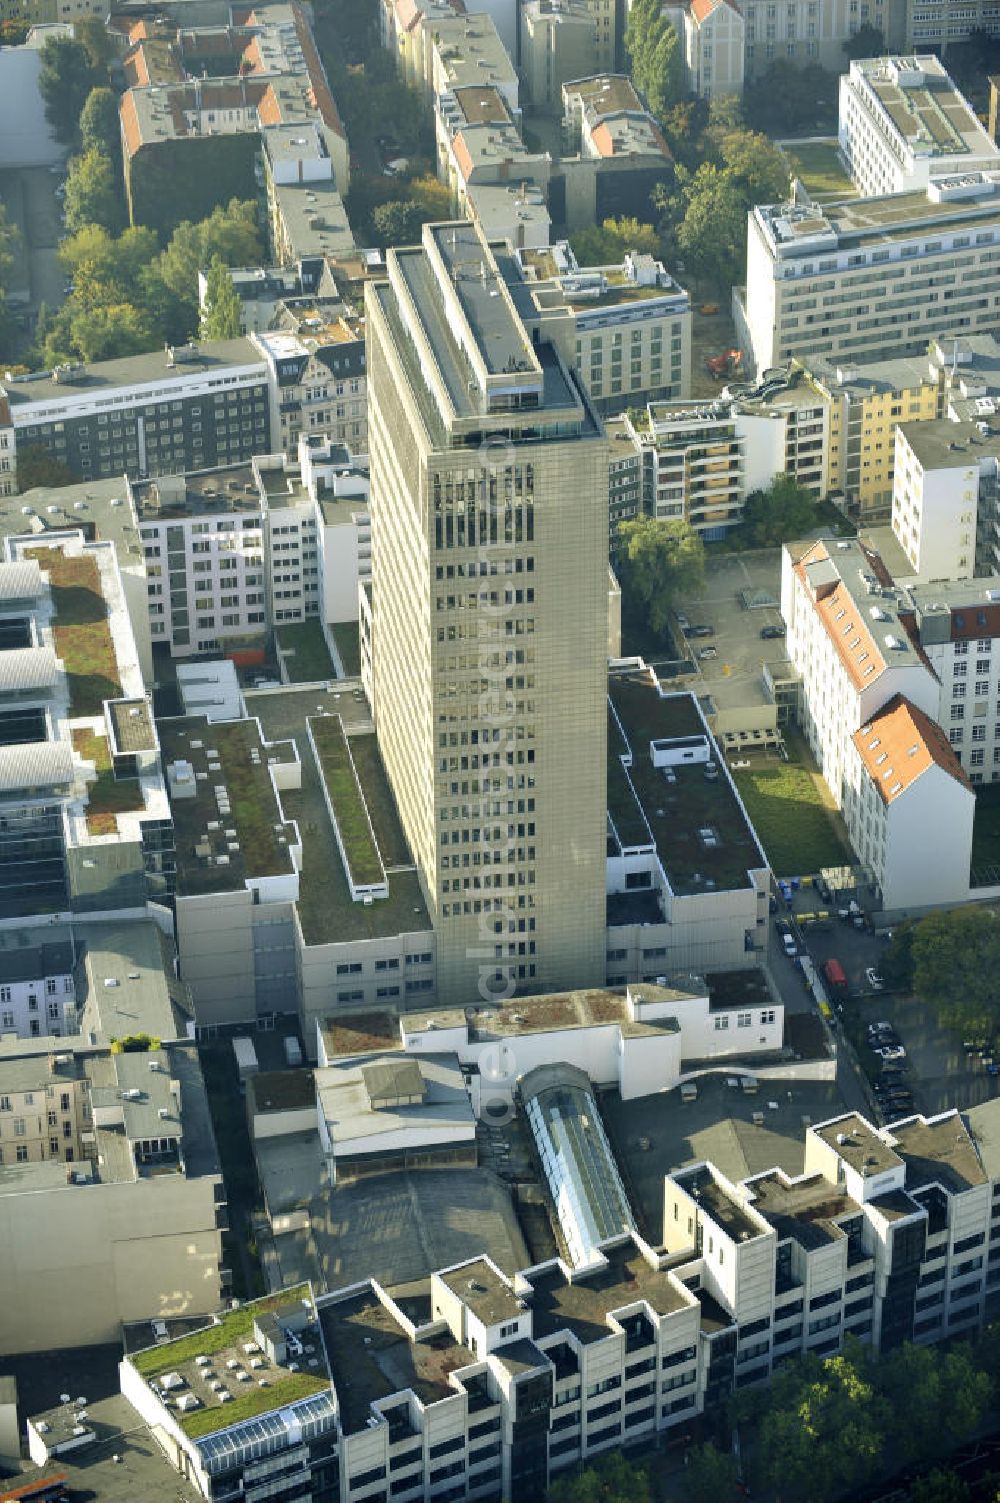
(903,123)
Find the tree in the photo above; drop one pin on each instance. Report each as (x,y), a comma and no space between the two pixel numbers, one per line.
(654,47)
(111,331)
(397,223)
(613,1479)
(956,967)
(13,33)
(781,512)
(230,233)
(824,1428)
(9,237)
(99,124)
(754,164)
(939,1487)
(221,314)
(711,1474)
(92,195)
(788,100)
(608,243)
(658,561)
(713,232)
(867,41)
(897,959)
(65,78)
(35,466)
(96,41)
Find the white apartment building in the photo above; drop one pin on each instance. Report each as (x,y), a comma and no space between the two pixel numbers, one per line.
(903,123)
(959,629)
(849,639)
(944,498)
(868,278)
(713,34)
(701,461)
(909,809)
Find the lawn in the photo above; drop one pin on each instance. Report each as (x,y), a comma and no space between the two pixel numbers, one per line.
(107,796)
(345,634)
(81,632)
(792,817)
(819,167)
(348,801)
(379,801)
(306,656)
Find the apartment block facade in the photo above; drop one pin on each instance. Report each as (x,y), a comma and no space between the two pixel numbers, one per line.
(867,278)
(489,637)
(151,414)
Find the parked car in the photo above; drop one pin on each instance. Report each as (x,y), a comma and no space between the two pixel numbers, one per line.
(873,979)
(791,948)
(772,633)
(700,631)
(783,925)
(891,1051)
(682,621)
(708,652)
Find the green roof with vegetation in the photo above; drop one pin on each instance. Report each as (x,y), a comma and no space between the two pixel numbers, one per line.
(347,799)
(284,1386)
(306,656)
(818,167)
(345,634)
(379,800)
(106,797)
(81,632)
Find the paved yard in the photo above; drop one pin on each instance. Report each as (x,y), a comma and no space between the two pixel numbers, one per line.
(942,1075)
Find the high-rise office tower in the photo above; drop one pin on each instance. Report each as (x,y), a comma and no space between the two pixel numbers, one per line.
(489,507)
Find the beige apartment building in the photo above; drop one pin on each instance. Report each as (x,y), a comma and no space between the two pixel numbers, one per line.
(489,514)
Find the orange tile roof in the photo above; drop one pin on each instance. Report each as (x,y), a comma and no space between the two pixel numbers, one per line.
(319,92)
(899,744)
(843,623)
(131,128)
(602,140)
(462,156)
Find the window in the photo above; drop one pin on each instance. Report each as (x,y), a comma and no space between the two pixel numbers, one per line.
(767,1016)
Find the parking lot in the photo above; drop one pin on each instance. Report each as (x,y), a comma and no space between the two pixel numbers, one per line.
(730,581)
(940,1073)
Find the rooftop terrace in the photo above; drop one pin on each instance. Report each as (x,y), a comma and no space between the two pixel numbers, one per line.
(218,850)
(230,488)
(702,837)
(804,1210)
(372,1357)
(725,1210)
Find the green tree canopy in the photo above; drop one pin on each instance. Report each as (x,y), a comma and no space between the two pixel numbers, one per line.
(66,77)
(658,561)
(221,314)
(867,41)
(789,100)
(99,124)
(111,331)
(781,512)
(956,967)
(713,232)
(613,1479)
(92,193)
(824,1428)
(608,243)
(96,41)
(230,233)
(654,48)
(397,222)
(939,1487)
(711,1475)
